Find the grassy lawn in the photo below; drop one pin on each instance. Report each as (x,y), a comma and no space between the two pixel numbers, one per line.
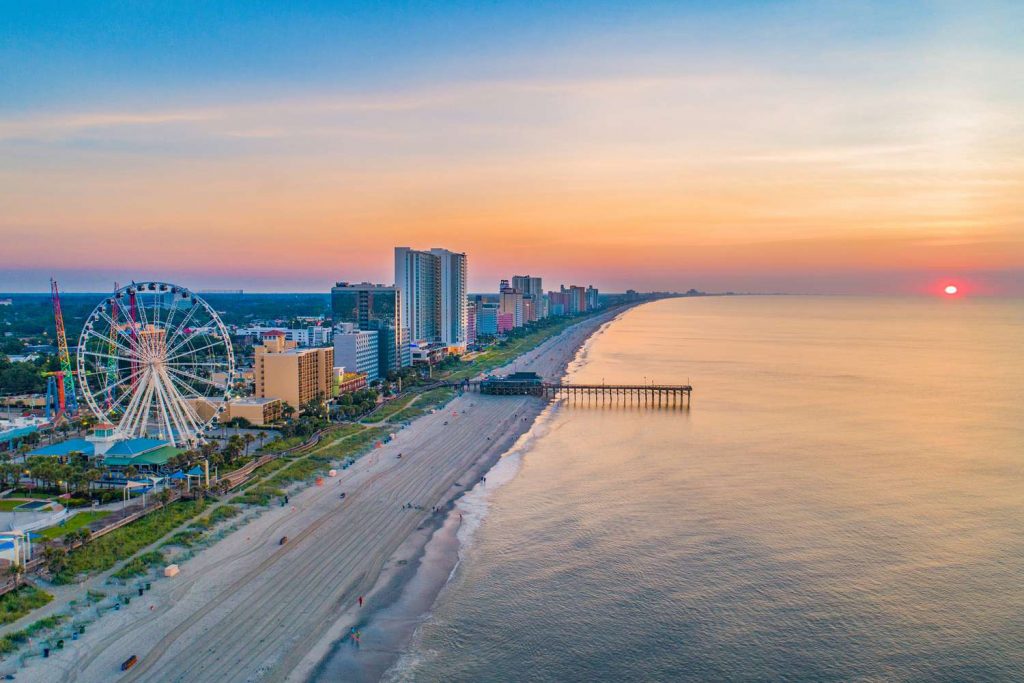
(18,603)
(9,505)
(389,409)
(106,551)
(74,524)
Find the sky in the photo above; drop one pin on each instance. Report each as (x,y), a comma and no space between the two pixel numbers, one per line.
(830,147)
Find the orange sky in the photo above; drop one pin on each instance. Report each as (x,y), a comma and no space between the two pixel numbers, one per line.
(739,173)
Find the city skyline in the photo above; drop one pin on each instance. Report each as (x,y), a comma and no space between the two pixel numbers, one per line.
(798,147)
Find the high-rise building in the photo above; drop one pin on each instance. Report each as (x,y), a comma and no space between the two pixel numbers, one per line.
(418,277)
(471,324)
(593,301)
(577,299)
(356,350)
(296,376)
(533,294)
(377,308)
(433,286)
(453,323)
(558,303)
(510,301)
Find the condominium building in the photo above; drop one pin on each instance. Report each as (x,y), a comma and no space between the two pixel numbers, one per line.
(471,331)
(486,319)
(294,375)
(378,308)
(510,301)
(356,350)
(433,287)
(453,322)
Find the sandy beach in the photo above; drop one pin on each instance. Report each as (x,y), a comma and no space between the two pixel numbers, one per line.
(249,608)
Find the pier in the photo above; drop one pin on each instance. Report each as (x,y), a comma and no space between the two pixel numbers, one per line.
(530,384)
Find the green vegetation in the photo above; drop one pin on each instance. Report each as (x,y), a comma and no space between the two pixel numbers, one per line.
(283,444)
(139,565)
(259,495)
(184,538)
(103,553)
(389,409)
(429,400)
(218,514)
(19,602)
(79,521)
(518,342)
(12,641)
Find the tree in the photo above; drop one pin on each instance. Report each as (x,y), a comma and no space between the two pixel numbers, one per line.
(56,559)
(15,571)
(248,438)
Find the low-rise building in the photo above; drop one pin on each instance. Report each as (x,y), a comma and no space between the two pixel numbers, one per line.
(348,382)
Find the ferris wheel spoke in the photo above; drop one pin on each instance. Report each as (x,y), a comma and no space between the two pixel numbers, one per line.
(134,410)
(187,416)
(111,340)
(190,375)
(164,412)
(184,322)
(189,389)
(115,405)
(107,356)
(192,352)
(194,395)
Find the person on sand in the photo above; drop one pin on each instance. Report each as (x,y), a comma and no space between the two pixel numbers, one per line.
(360,600)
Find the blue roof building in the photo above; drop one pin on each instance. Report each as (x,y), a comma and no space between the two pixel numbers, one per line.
(65,448)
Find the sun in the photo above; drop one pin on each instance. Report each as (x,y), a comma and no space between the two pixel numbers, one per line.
(951,289)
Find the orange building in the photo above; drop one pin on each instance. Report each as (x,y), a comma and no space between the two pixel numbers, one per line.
(296,376)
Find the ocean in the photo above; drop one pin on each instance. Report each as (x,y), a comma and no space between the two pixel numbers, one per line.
(842,501)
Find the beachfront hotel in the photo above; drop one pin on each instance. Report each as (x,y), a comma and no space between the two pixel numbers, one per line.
(296,376)
(433,299)
(375,308)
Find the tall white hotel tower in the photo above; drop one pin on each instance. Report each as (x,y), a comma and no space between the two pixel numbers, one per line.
(433,286)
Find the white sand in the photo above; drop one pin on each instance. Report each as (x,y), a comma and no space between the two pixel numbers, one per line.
(250,609)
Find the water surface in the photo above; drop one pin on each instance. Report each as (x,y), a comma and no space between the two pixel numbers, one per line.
(843,501)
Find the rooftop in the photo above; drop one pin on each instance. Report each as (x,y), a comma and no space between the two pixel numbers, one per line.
(66,448)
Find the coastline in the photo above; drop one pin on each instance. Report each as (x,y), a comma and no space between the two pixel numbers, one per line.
(249,608)
(403,600)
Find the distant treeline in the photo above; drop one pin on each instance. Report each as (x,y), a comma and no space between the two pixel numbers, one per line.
(31,315)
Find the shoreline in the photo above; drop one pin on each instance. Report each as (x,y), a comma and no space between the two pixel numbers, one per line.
(250,608)
(408,597)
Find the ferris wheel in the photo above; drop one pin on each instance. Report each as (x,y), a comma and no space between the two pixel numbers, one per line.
(156,361)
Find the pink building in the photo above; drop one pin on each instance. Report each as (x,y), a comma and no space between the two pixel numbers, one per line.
(506,322)
(471,324)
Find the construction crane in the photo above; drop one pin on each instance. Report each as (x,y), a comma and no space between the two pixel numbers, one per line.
(61,385)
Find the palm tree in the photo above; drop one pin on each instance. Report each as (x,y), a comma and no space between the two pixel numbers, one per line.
(248,438)
(15,571)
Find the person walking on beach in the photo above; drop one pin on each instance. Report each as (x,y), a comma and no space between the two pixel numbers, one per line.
(360,600)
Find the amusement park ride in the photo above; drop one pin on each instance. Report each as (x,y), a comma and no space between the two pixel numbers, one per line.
(154,360)
(60,385)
